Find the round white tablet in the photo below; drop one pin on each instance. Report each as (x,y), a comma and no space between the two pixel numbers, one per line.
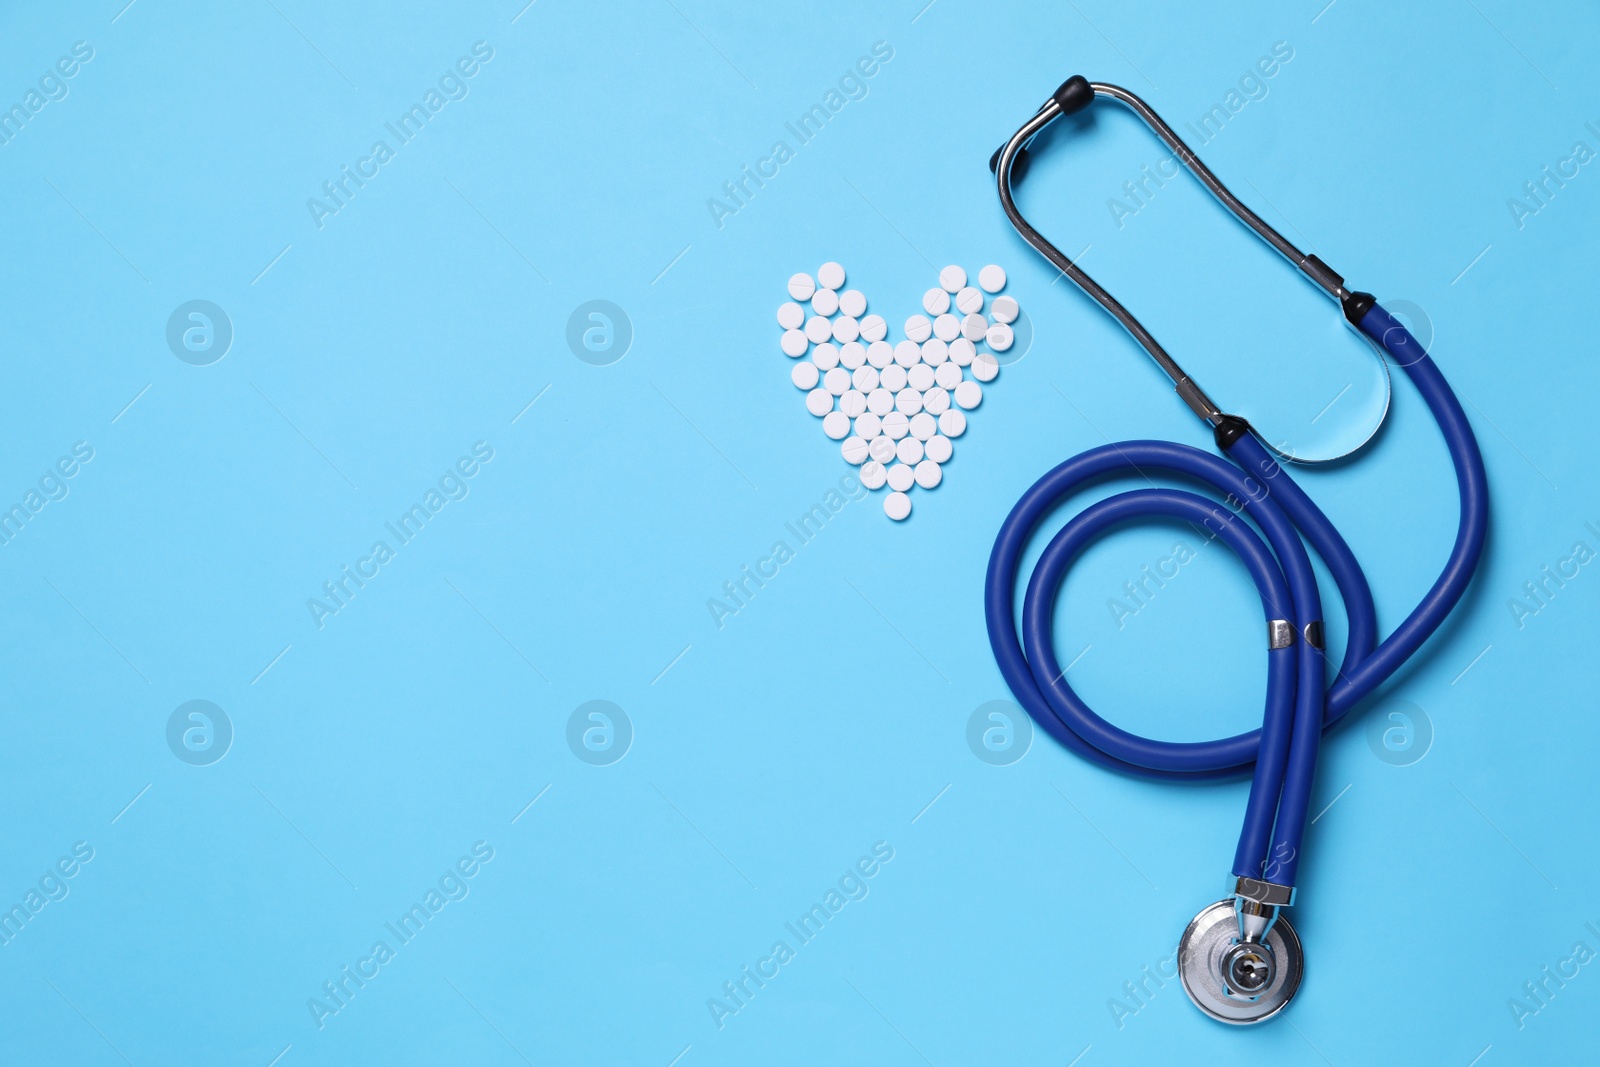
(1004,309)
(920,377)
(818,329)
(852,355)
(819,401)
(985,367)
(936,301)
(929,474)
(872,474)
(801,286)
(831,275)
(873,328)
(923,426)
(892,377)
(864,379)
(992,278)
(953,423)
(999,337)
(881,449)
(969,300)
(794,343)
(952,278)
(908,401)
(846,329)
(804,375)
(947,376)
(938,449)
(854,451)
(836,425)
(880,401)
(945,328)
(968,395)
(909,451)
(791,315)
(908,353)
(880,353)
(853,402)
(825,356)
(836,381)
(961,351)
(853,302)
(868,426)
(936,401)
(973,327)
(918,328)
(895,426)
(897,506)
(824,301)
(934,351)
(901,477)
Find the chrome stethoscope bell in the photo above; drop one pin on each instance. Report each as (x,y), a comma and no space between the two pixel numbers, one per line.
(1234,974)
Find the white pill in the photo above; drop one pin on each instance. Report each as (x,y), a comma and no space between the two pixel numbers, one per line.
(880,401)
(938,449)
(973,327)
(864,378)
(909,451)
(929,474)
(897,506)
(853,302)
(824,301)
(920,377)
(836,425)
(881,448)
(952,278)
(852,355)
(936,301)
(953,423)
(873,328)
(836,381)
(791,315)
(962,351)
(923,426)
(969,300)
(992,278)
(918,328)
(854,451)
(945,328)
(908,401)
(934,352)
(936,401)
(985,367)
(968,395)
(819,401)
(818,329)
(868,426)
(825,356)
(1004,309)
(999,337)
(908,353)
(872,474)
(880,353)
(794,343)
(895,426)
(846,329)
(801,286)
(853,402)
(804,375)
(901,477)
(947,376)
(892,377)
(831,275)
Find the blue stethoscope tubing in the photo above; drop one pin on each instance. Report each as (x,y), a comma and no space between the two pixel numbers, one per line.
(1300,703)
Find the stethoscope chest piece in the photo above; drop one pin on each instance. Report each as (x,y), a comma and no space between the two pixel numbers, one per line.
(1235,979)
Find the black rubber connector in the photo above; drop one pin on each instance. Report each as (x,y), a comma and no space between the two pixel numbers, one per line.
(1074,95)
(1356,306)
(1229,430)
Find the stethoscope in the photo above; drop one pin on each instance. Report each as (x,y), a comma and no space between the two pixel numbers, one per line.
(1240,959)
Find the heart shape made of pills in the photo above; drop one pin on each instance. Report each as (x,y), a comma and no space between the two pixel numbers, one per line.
(896,408)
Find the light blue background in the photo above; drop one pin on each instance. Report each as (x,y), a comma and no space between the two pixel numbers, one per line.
(830,713)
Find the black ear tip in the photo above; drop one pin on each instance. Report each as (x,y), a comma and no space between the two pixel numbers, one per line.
(994,160)
(1074,95)
(1019,165)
